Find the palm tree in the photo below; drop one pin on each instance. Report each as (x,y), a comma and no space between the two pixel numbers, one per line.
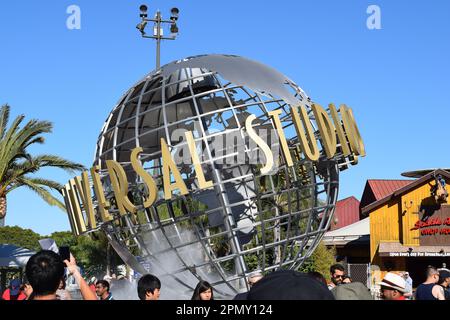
(17,166)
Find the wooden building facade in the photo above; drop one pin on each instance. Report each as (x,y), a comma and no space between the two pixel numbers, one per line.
(410,227)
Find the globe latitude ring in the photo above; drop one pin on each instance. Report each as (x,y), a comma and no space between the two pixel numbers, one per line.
(246,222)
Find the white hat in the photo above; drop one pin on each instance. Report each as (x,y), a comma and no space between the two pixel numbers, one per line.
(394,281)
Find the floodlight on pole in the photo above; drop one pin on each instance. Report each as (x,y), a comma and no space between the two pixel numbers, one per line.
(174,14)
(141,27)
(158,33)
(143,8)
(174,29)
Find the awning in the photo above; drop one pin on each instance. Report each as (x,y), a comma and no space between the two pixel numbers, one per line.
(396,249)
(358,231)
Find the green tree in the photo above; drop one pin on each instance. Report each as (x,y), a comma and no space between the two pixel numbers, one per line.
(90,252)
(18,166)
(17,236)
(64,238)
(321,260)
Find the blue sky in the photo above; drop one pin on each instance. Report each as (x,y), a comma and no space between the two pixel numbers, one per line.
(395,79)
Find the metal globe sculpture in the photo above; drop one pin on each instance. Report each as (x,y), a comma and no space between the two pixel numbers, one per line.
(245,222)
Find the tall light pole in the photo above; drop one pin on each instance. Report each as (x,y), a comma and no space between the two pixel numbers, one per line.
(158,33)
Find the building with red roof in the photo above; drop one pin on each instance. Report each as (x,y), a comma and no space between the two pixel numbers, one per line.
(402,225)
(377,189)
(346,213)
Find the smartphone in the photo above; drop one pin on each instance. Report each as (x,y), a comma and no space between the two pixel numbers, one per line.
(64,252)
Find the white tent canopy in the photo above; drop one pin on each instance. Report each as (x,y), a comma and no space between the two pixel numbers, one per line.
(13,256)
(353,232)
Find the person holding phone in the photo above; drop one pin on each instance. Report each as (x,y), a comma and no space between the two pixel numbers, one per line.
(44,272)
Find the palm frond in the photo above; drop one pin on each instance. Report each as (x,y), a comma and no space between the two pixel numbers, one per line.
(8,150)
(4,119)
(17,140)
(16,170)
(20,168)
(32,165)
(17,165)
(13,129)
(41,191)
(31,130)
(47,183)
(54,185)
(55,161)
(38,140)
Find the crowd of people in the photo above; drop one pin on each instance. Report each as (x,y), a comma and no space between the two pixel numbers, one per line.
(45,280)
(394,286)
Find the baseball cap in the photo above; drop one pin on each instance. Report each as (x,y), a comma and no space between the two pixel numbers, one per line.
(443,274)
(289,285)
(15,287)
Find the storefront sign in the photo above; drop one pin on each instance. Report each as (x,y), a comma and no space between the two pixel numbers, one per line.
(434,226)
(415,254)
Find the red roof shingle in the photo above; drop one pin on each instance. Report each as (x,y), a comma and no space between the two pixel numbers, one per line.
(383,188)
(346,213)
(411,185)
(377,189)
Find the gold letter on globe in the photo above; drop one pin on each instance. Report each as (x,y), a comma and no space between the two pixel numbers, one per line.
(327,130)
(202,183)
(105,216)
(284,146)
(120,186)
(169,165)
(308,141)
(146,177)
(260,142)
